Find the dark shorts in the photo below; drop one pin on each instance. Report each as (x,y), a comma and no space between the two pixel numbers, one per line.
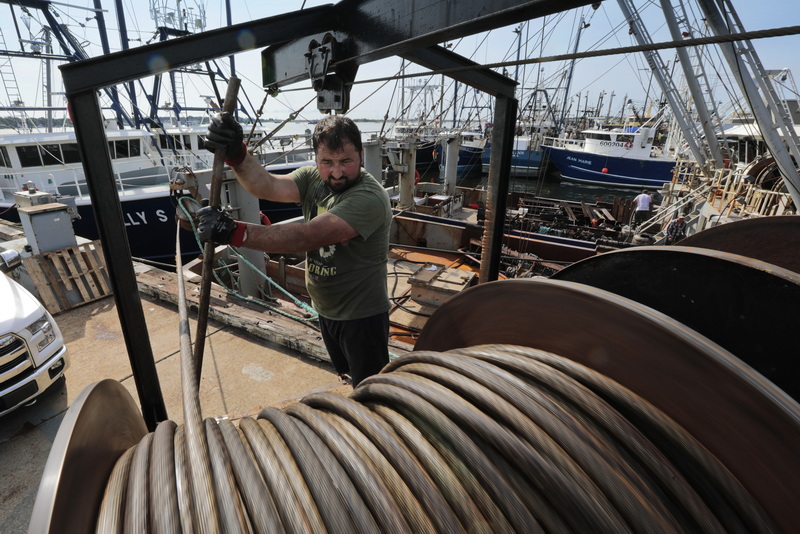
(359,347)
(639,216)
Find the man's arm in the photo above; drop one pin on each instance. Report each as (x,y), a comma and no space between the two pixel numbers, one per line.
(225,132)
(263,184)
(325,229)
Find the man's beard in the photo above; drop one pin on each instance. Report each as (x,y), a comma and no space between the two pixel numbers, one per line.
(340,185)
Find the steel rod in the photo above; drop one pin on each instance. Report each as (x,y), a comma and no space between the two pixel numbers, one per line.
(217,169)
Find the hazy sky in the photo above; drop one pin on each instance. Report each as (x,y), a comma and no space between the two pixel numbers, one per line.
(622,75)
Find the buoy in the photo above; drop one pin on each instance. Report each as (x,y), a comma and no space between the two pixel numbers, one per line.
(605,170)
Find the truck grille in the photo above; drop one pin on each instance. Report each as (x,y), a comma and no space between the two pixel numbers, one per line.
(10,344)
(13,363)
(14,355)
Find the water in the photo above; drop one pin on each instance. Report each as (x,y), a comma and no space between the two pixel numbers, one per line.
(558,189)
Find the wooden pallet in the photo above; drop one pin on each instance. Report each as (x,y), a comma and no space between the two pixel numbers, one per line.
(69,277)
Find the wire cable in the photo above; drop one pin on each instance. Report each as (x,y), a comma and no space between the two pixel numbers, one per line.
(493,438)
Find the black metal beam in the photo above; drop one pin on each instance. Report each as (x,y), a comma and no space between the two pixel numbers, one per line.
(93,147)
(156,58)
(376,29)
(439,58)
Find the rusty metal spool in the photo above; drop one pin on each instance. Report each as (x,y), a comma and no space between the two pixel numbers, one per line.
(494,438)
(774,240)
(752,426)
(485,437)
(743,304)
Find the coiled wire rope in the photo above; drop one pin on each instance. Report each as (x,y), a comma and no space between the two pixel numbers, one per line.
(493,438)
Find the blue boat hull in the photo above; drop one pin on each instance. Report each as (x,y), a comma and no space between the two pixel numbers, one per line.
(150,226)
(427,157)
(469,161)
(523,162)
(589,168)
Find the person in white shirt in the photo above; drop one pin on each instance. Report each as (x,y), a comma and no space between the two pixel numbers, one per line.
(643,203)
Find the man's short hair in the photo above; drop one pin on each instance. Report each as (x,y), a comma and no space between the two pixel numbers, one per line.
(334,131)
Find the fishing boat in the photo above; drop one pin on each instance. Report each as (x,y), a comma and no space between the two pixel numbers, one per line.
(612,158)
(145,179)
(426,138)
(526,156)
(470,151)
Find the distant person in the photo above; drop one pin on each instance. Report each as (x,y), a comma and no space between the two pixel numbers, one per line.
(676,229)
(643,203)
(345,236)
(481,213)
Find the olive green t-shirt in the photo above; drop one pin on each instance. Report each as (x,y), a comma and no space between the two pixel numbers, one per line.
(348,280)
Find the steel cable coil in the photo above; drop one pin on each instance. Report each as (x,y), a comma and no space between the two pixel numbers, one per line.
(492,438)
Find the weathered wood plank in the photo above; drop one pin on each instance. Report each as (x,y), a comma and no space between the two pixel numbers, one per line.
(568,210)
(74,277)
(48,297)
(84,267)
(93,253)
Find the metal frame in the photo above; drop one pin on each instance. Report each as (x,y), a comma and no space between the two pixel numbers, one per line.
(413,34)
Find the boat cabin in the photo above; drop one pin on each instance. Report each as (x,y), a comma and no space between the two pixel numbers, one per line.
(51,160)
(617,143)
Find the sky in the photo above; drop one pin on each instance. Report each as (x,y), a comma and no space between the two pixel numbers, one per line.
(594,81)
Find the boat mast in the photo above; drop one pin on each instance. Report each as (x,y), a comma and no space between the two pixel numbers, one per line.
(581,26)
(72,49)
(764,107)
(608,110)
(123,41)
(101,28)
(48,80)
(9,76)
(403,88)
(693,78)
(659,70)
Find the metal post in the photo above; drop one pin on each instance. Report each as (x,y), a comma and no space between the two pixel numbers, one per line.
(505,112)
(451,164)
(249,211)
(408,159)
(91,138)
(761,111)
(693,83)
(372,159)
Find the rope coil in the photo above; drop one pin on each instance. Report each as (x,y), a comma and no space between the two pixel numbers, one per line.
(489,439)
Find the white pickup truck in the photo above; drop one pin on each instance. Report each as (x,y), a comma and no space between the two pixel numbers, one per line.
(32,351)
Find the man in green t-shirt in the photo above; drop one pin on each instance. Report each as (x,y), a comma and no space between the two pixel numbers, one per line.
(345,236)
